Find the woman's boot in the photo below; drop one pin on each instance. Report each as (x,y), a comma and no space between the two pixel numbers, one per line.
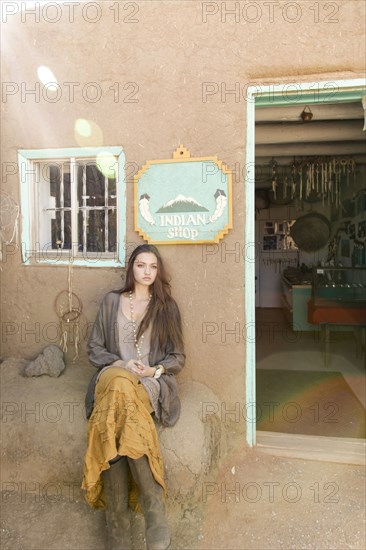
(115,481)
(152,503)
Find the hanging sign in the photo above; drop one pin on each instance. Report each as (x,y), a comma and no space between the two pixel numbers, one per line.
(183,200)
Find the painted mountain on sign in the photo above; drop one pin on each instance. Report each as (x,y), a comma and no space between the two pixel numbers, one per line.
(182,204)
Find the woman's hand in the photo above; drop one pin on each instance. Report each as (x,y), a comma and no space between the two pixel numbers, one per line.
(139,369)
(147,371)
(136,367)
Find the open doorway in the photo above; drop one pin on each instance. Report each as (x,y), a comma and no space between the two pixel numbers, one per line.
(310,216)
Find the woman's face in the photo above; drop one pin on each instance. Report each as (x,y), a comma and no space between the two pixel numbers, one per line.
(145,268)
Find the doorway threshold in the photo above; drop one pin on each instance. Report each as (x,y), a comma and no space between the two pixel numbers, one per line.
(345,450)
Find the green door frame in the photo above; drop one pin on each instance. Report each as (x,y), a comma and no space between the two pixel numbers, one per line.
(337,91)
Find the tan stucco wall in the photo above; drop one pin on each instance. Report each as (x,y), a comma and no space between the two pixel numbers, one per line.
(169,52)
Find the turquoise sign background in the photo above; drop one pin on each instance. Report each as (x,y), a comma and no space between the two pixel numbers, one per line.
(183,201)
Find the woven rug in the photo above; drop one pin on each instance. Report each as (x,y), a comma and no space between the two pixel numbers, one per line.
(309,403)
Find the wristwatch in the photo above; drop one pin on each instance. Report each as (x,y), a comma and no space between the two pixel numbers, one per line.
(159,371)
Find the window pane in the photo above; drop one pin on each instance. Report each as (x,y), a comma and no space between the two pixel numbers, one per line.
(80,170)
(112,192)
(95,231)
(55,178)
(95,187)
(67,190)
(67,230)
(112,230)
(57,239)
(50,226)
(80,231)
(55,184)
(56,230)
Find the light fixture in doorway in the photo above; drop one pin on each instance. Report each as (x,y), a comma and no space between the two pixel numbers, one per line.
(307,115)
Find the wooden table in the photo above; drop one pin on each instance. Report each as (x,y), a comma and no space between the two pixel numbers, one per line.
(328,313)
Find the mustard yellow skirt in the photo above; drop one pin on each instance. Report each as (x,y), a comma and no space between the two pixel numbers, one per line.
(121,423)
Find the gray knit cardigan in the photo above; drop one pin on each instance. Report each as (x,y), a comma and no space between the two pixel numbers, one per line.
(103,349)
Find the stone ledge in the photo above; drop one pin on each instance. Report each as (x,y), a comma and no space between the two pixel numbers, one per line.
(44,431)
(192,447)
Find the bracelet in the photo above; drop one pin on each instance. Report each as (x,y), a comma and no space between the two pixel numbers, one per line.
(159,371)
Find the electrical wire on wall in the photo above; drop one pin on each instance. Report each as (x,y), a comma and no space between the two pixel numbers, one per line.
(9,220)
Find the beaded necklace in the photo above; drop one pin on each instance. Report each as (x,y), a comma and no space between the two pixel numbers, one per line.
(138,345)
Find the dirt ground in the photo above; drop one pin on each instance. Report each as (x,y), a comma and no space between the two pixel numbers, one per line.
(255,501)
(265,502)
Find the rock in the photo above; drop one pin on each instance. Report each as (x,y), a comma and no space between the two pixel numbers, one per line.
(50,361)
(193,447)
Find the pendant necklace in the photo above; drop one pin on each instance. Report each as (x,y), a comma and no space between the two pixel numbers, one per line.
(138,345)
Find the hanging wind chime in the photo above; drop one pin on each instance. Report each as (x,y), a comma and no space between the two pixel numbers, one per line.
(314,179)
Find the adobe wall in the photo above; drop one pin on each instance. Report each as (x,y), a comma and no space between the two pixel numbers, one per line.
(170,51)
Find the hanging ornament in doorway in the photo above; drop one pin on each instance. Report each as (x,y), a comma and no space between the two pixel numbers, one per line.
(307,115)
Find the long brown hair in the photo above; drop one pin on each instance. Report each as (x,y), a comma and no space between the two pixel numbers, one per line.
(163,311)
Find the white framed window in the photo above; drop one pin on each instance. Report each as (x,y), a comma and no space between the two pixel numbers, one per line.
(73,206)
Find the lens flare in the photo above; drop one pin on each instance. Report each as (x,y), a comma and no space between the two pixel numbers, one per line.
(47,78)
(83,127)
(87,133)
(107,164)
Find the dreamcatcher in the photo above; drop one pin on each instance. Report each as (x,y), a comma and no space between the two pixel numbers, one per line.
(9,216)
(68,307)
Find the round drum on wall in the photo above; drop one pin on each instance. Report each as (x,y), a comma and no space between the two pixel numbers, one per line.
(311,232)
